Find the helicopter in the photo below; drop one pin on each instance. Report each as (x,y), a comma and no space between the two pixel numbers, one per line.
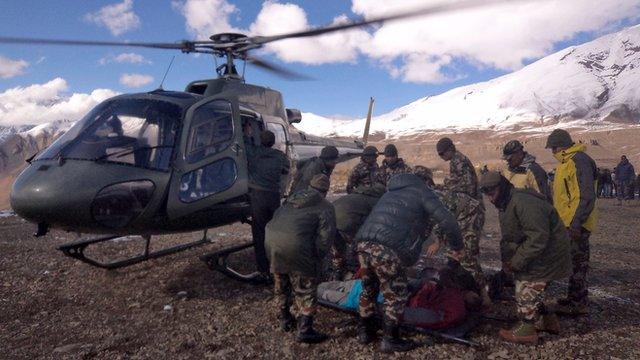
(164,161)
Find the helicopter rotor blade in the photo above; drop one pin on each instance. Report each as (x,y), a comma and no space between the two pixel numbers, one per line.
(425,11)
(288,74)
(186,46)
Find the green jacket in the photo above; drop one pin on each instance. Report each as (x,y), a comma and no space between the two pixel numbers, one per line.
(353,209)
(266,167)
(534,239)
(306,172)
(300,233)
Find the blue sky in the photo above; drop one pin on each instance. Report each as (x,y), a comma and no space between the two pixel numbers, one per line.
(339,87)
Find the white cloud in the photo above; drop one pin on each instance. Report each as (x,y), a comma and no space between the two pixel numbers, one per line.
(118,18)
(206,17)
(131,58)
(10,68)
(135,80)
(423,49)
(41,103)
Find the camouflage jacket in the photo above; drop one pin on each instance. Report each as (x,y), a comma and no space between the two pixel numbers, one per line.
(386,171)
(462,177)
(362,174)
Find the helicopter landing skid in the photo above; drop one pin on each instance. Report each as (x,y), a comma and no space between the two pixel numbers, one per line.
(218,261)
(76,251)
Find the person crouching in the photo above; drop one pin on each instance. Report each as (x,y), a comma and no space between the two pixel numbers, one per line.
(534,248)
(297,239)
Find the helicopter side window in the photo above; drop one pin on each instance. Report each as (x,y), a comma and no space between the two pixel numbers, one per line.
(211,130)
(208,180)
(281,137)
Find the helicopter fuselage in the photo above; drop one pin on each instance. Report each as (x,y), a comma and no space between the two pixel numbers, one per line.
(162,161)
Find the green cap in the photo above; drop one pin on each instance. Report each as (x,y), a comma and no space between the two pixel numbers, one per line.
(444,144)
(370,151)
(329,153)
(489,180)
(511,148)
(559,138)
(390,150)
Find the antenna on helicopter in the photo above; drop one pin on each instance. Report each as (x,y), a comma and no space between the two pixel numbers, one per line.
(166,72)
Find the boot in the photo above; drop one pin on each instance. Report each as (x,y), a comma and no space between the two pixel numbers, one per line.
(287,321)
(548,323)
(522,333)
(306,333)
(391,341)
(366,330)
(570,308)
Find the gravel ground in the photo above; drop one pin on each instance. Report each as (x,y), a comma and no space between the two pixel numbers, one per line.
(175,308)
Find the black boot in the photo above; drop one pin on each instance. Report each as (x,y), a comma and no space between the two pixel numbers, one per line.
(287,322)
(306,333)
(366,330)
(391,341)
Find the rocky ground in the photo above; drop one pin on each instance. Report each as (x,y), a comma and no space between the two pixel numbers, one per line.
(175,307)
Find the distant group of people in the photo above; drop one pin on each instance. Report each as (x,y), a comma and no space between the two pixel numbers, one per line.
(377,232)
(621,183)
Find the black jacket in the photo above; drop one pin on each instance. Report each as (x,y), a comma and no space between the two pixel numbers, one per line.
(399,219)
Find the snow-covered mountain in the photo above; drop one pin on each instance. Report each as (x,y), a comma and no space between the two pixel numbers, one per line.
(596,83)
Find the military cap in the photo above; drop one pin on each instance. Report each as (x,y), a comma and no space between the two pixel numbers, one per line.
(423,172)
(329,153)
(267,138)
(559,138)
(370,151)
(320,182)
(390,150)
(511,148)
(444,144)
(489,180)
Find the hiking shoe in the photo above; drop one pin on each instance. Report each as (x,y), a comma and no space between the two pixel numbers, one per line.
(522,333)
(306,332)
(366,330)
(548,323)
(391,341)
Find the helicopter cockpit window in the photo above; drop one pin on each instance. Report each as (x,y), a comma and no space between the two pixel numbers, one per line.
(211,130)
(130,131)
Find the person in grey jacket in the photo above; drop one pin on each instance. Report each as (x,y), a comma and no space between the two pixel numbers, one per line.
(390,241)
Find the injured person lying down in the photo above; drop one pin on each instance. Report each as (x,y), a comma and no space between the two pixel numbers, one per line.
(440,298)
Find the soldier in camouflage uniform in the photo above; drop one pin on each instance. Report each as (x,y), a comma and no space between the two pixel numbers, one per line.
(461,191)
(391,165)
(297,239)
(306,170)
(365,173)
(390,241)
(534,248)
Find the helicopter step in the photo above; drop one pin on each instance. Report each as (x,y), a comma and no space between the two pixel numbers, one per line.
(218,261)
(77,249)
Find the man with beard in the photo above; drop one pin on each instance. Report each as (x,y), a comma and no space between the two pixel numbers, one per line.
(524,172)
(365,173)
(534,248)
(324,164)
(391,165)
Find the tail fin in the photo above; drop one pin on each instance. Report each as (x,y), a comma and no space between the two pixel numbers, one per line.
(365,136)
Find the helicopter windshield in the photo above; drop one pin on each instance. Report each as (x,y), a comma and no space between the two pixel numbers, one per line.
(138,132)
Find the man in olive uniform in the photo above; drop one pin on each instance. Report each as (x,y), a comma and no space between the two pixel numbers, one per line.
(390,241)
(351,212)
(298,238)
(465,200)
(266,167)
(365,172)
(324,164)
(523,171)
(574,196)
(534,248)
(391,165)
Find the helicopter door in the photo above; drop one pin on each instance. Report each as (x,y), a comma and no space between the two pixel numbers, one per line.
(211,165)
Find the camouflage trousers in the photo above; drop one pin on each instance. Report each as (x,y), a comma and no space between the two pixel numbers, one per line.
(578,290)
(470,216)
(530,299)
(343,253)
(302,289)
(382,270)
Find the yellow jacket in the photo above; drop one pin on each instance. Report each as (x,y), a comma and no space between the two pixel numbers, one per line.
(529,175)
(574,188)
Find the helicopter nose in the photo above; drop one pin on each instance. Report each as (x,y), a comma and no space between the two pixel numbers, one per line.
(40,193)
